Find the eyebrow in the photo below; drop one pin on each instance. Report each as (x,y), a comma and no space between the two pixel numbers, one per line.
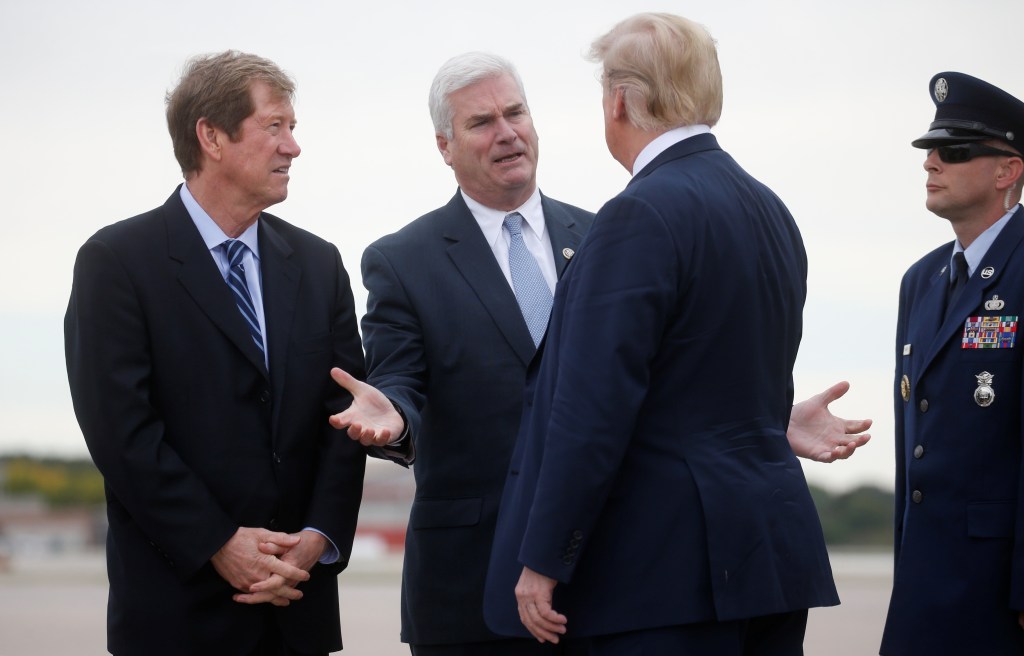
(487,116)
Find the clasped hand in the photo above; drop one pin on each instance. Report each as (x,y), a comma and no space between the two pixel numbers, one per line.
(266,566)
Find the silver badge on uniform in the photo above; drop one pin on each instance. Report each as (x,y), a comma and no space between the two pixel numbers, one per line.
(995,303)
(941,89)
(984,395)
(567,253)
(988,272)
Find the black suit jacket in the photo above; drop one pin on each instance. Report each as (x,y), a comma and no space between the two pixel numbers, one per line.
(445,339)
(194,437)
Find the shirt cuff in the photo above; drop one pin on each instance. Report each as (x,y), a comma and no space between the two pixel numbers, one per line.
(331,553)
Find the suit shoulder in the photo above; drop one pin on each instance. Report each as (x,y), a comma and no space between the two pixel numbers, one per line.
(133,232)
(417,233)
(292,232)
(578,214)
(930,263)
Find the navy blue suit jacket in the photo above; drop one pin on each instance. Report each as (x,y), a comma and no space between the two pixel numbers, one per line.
(445,339)
(195,437)
(959,573)
(652,476)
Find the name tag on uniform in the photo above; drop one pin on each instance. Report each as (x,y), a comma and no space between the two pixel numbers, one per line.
(990,332)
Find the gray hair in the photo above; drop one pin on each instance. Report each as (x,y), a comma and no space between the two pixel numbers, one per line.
(458,73)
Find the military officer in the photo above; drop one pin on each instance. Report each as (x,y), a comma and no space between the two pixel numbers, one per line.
(959,540)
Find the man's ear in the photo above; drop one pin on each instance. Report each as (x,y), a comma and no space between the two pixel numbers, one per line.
(442,145)
(210,139)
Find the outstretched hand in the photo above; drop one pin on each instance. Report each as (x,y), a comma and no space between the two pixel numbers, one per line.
(816,434)
(371,419)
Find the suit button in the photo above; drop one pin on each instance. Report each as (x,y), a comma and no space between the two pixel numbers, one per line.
(264,396)
(916,496)
(577,534)
(923,405)
(918,451)
(277,459)
(567,560)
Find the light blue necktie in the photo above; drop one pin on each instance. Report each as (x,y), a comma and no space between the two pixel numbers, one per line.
(236,281)
(528,282)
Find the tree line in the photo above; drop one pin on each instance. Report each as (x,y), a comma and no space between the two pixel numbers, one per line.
(861,517)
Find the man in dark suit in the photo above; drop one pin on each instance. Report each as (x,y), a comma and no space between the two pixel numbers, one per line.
(653,504)
(958,585)
(199,340)
(448,343)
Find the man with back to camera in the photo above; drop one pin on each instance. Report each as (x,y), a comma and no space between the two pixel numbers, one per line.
(645,512)
(448,342)
(199,340)
(958,585)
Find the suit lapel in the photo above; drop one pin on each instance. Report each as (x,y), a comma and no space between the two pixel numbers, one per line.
(281,277)
(982,280)
(473,257)
(201,279)
(565,238)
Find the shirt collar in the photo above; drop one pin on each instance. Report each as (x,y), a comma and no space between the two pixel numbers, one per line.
(492,220)
(664,141)
(211,233)
(975,253)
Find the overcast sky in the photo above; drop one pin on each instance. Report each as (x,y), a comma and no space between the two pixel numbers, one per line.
(821,102)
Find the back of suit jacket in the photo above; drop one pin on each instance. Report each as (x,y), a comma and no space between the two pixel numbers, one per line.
(445,339)
(195,437)
(652,476)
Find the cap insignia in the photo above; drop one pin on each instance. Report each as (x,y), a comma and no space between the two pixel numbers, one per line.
(941,89)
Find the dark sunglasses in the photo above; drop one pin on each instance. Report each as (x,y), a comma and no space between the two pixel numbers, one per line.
(959,153)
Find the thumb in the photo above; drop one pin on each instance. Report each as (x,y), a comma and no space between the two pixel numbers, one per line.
(835,392)
(343,378)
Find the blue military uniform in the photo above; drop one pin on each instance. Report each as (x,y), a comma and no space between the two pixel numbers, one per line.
(959,540)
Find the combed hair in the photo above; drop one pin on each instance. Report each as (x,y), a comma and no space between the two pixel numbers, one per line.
(217,87)
(667,67)
(458,73)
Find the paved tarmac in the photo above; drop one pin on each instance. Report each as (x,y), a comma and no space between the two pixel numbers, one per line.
(57,606)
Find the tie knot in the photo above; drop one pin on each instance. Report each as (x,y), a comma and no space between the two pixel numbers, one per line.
(235,249)
(960,267)
(514,223)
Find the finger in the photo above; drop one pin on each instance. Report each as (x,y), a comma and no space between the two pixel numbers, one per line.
(835,392)
(273,582)
(254,598)
(287,571)
(339,421)
(287,540)
(272,549)
(543,623)
(852,426)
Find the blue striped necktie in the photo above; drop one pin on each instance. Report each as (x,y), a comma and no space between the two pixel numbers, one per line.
(528,282)
(236,281)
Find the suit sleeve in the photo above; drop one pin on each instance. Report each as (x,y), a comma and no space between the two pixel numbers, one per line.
(334,508)
(615,311)
(393,338)
(109,370)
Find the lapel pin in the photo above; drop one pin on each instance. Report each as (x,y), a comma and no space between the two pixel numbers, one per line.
(995,303)
(984,395)
(906,349)
(987,272)
(567,253)
(905,387)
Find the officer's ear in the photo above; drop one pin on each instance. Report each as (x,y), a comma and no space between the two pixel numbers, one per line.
(1009,173)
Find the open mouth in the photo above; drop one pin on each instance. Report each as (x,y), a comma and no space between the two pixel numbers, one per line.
(508,158)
